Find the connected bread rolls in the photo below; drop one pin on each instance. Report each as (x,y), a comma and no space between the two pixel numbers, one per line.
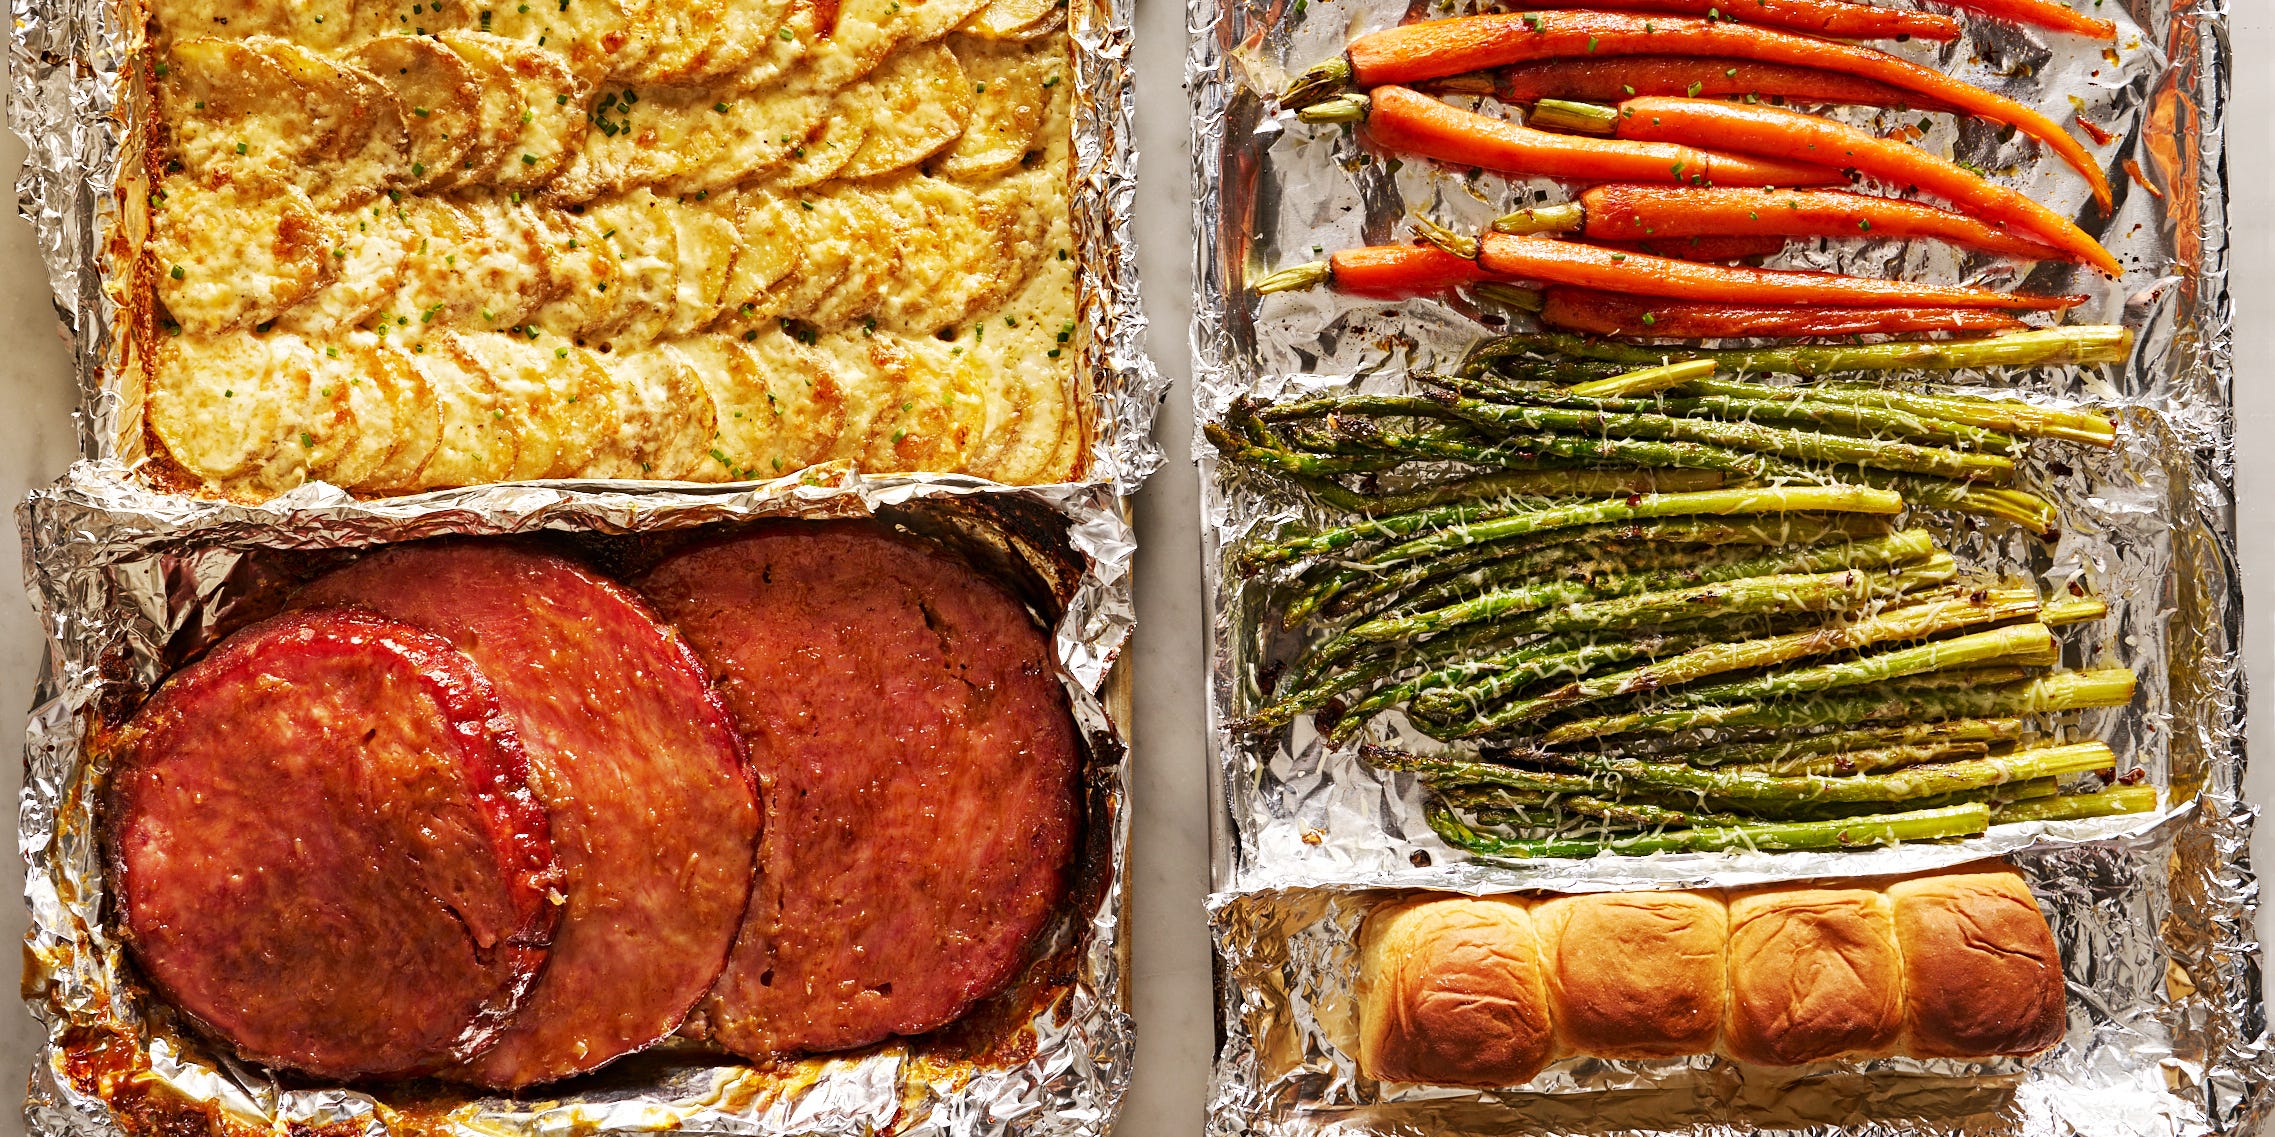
(1487,992)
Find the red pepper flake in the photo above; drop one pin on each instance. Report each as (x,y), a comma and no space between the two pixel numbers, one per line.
(2093,129)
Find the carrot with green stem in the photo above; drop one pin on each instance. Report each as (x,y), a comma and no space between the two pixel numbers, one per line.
(1380,272)
(1802,137)
(1610,80)
(1409,122)
(1629,317)
(1548,261)
(1415,53)
(1838,18)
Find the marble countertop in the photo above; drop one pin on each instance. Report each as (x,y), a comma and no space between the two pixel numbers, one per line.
(1169,869)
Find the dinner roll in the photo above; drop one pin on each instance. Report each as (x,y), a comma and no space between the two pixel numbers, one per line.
(1450,992)
(1981,975)
(1814,974)
(1634,974)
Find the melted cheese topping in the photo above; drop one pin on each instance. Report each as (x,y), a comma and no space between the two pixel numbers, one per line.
(673,239)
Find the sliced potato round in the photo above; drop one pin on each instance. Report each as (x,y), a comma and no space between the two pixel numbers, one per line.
(936,422)
(826,149)
(224,405)
(1008,111)
(929,20)
(368,258)
(232,253)
(1016,20)
(441,99)
(368,146)
(777,54)
(368,433)
(412,412)
(665,422)
(921,102)
(873,238)
(707,239)
(966,248)
(638,226)
(533,116)
(742,36)
(477,443)
(779,406)
(548,395)
(769,245)
(507,260)
(590,304)
(231,110)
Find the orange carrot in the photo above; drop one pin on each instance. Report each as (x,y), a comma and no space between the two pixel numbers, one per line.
(1606,314)
(1640,212)
(1706,247)
(1576,263)
(1790,134)
(2044,13)
(1395,272)
(1414,53)
(1610,80)
(1410,122)
(1817,17)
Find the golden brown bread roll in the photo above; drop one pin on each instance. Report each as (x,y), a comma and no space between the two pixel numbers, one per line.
(1634,974)
(1814,974)
(1981,974)
(1450,992)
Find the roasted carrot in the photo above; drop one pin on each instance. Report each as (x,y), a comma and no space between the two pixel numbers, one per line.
(1817,17)
(1395,272)
(1793,135)
(1629,212)
(1546,260)
(1410,122)
(1610,80)
(2044,13)
(1629,317)
(1701,248)
(1415,53)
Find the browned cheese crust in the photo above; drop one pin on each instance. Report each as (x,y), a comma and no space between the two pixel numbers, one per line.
(1451,992)
(1981,973)
(1814,974)
(1634,974)
(918,765)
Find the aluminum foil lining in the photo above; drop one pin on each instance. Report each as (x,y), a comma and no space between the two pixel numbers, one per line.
(1303,831)
(69,99)
(128,583)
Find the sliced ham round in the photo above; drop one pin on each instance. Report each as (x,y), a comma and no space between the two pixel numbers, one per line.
(324,851)
(919,769)
(654,811)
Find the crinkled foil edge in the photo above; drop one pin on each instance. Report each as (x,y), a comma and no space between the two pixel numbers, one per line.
(69,101)
(117,572)
(2212,1056)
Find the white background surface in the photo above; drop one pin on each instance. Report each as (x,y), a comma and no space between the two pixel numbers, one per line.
(1169,871)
